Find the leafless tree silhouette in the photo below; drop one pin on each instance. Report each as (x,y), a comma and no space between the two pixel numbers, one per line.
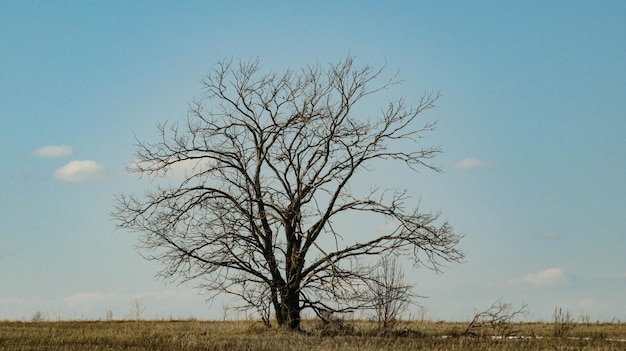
(272,159)
(389,292)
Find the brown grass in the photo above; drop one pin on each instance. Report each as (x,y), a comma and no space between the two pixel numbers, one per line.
(248,335)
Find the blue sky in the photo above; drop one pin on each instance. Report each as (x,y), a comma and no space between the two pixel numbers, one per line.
(532,120)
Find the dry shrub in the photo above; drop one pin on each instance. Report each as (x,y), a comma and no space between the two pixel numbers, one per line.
(497,320)
(333,325)
(563,322)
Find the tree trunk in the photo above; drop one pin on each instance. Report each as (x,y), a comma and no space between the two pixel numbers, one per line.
(289,314)
(279,317)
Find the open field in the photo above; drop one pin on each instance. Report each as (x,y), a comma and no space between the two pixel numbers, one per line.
(249,335)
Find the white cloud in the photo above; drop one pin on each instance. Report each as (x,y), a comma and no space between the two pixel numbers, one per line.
(176,303)
(591,304)
(27,301)
(52,151)
(550,276)
(177,296)
(80,171)
(95,298)
(86,298)
(471,163)
(95,302)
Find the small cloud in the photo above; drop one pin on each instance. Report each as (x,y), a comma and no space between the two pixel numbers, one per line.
(550,276)
(471,163)
(52,151)
(95,298)
(80,171)
(592,304)
(14,301)
(91,304)
(85,298)
(167,295)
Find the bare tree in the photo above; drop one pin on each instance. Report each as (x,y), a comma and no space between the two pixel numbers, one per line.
(389,293)
(137,309)
(273,156)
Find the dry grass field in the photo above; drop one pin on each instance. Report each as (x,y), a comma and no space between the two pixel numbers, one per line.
(347,335)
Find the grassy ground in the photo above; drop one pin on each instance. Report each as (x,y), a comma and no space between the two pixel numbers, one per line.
(245,335)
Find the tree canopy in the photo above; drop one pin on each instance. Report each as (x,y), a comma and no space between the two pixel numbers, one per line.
(271,157)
